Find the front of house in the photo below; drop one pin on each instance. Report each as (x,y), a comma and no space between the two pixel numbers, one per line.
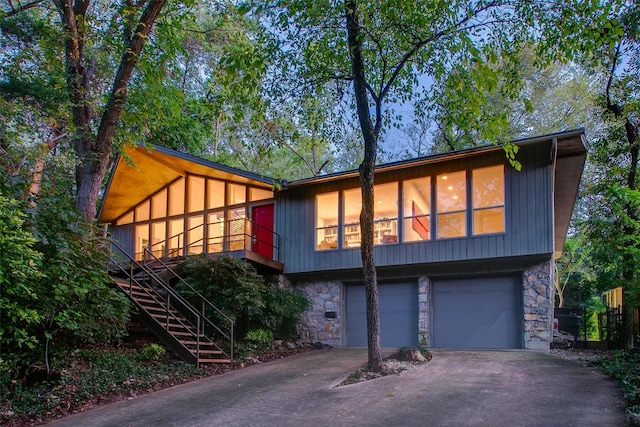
(464,243)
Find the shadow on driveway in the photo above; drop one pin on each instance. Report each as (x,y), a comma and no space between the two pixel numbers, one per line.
(457,388)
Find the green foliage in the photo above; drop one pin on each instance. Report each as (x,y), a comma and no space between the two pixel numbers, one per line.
(76,297)
(20,267)
(240,292)
(153,353)
(260,338)
(90,375)
(624,367)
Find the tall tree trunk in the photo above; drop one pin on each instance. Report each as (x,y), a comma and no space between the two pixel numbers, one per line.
(628,297)
(367,168)
(94,150)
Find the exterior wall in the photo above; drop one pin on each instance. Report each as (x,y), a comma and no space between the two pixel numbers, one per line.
(328,296)
(539,294)
(528,219)
(325,296)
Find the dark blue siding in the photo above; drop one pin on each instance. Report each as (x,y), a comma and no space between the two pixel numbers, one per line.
(528,219)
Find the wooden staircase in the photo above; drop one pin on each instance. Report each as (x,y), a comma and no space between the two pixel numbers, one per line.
(188,331)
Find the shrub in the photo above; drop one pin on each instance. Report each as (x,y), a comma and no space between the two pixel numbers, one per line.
(152,353)
(261,339)
(236,288)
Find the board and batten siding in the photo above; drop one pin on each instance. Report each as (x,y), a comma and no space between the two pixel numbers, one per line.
(528,218)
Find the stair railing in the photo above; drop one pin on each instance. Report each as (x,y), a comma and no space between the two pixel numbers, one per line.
(205,304)
(198,318)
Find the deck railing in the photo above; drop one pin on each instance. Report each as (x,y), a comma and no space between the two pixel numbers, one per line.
(239,234)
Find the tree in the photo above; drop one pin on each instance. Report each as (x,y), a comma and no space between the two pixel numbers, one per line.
(381,53)
(81,32)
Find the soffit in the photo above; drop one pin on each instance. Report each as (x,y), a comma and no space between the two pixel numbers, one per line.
(139,173)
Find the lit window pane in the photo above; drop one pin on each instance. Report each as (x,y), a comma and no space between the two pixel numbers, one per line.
(385,213)
(176,237)
(451,193)
(141,240)
(125,219)
(352,205)
(488,200)
(142,212)
(236,194)
(158,237)
(256,194)
(215,237)
(488,187)
(488,221)
(327,221)
(417,209)
(215,190)
(451,225)
(176,198)
(195,235)
(159,205)
(237,233)
(196,193)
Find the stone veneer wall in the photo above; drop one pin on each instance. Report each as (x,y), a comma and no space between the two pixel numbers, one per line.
(325,296)
(538,294)
(424,303)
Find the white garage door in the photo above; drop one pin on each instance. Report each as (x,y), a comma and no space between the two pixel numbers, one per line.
(484,313)
(398,315)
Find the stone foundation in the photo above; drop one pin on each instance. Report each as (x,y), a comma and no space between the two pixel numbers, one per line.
(325,297)
(538,295)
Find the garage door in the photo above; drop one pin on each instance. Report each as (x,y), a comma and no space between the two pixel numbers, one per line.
(398,315)
(483,313)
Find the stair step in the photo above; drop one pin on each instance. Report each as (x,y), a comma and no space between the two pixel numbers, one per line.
(212,352)
(221,361)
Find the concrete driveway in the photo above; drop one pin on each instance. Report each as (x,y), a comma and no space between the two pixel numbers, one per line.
(457,388)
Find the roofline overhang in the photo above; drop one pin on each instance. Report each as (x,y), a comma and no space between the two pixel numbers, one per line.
(421,161)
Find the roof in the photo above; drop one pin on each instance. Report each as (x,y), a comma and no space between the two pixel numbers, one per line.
(152,169)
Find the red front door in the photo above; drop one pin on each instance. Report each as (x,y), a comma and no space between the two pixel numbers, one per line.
(262,234)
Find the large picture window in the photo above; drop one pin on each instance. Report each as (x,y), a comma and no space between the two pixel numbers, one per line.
(451,190)
(327,221)
(488,200)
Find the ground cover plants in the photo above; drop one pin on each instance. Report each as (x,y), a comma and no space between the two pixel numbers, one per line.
(624,367)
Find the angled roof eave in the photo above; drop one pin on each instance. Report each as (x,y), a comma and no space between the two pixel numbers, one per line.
(155,168)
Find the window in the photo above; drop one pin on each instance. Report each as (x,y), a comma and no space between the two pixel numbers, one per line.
(125,219)
(215,194)
(159,205)
(196,193)
(141,240)
(385,213)
(236,232)
(236,194)
(195,235)
(215,236)
(176,198)
(142,211)
(488,200)
(158,237)
(256,194)
(416,195)
(451,191)
(176,237)
(351,207)
(327,221)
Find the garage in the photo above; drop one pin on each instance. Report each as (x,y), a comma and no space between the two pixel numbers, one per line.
(478,313)
(398,315)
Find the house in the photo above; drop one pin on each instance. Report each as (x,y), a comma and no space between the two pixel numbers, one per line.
(464,243)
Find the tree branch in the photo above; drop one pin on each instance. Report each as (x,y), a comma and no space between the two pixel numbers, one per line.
(14,11)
